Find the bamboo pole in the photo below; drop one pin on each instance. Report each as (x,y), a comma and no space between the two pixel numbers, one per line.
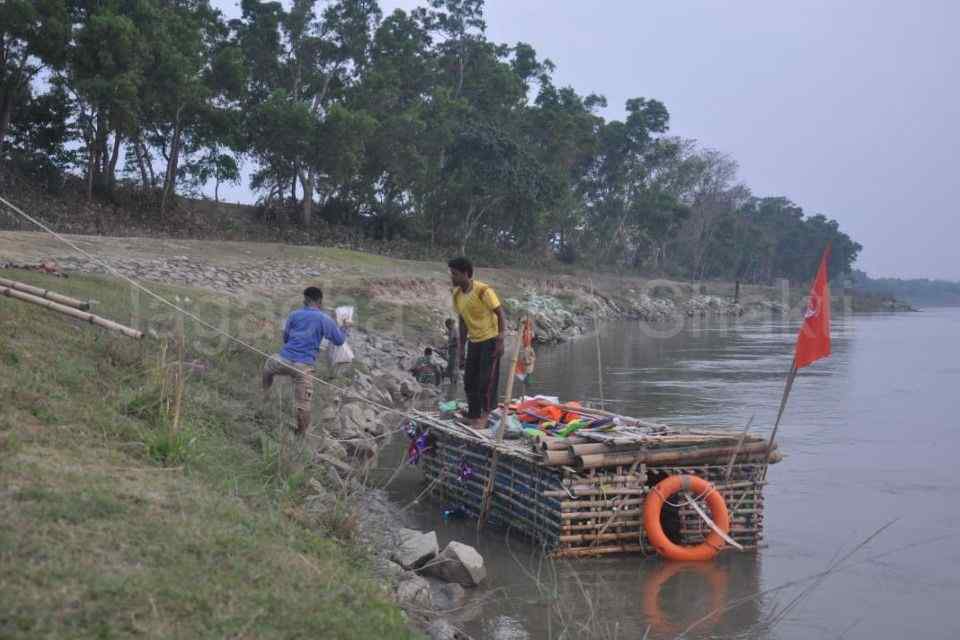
(597,460)
(46,293)
(617,522)
(600,537)
(663,441)
(70,311)
(594,504)
(549,442)
(582,492)
(635,480)
(597,551)
(783,405)
(726,474)
(597,515)
(557,457)
(501,430)
(596,331)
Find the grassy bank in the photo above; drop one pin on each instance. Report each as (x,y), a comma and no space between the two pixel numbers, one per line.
(119,520)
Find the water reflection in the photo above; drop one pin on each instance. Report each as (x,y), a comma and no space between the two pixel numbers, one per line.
(627,597)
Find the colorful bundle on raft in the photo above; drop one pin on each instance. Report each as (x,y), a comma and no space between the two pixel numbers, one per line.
(540,416)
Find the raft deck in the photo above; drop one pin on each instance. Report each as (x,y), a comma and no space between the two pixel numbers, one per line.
(583,495)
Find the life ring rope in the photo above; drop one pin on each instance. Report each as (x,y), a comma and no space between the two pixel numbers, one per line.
(677,505)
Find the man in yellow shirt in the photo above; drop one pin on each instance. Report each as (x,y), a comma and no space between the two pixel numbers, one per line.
(481,339)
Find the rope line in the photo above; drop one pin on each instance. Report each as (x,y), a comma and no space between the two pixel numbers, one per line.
(198,319)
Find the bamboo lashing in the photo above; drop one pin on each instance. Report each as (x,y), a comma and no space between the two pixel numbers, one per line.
(577,513)
(47,294)
(70,311)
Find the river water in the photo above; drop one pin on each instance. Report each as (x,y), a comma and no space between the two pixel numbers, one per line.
(871,436)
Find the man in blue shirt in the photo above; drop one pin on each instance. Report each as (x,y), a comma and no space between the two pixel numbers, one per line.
(305,329)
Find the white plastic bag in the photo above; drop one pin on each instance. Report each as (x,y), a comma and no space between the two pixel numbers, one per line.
(343,315)
(342,354)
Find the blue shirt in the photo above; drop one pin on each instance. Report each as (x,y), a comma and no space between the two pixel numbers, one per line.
(305,330)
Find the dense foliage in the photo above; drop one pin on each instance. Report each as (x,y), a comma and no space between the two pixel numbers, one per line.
(411,124)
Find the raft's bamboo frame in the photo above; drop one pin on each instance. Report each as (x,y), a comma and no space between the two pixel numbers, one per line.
(594,511)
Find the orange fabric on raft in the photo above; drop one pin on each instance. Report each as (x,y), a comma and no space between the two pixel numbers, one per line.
(538,410)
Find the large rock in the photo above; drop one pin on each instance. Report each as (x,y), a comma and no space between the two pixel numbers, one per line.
(441,629)
(446,596)
(390,570)
(459,563)
(415,549)
(414,593)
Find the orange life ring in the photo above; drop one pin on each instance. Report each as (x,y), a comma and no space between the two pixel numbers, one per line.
(651,518)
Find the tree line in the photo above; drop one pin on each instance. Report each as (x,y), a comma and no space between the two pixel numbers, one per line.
(412,125)
(918,291)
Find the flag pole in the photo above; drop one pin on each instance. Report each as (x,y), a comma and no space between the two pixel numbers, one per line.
(791,376)
(813,342)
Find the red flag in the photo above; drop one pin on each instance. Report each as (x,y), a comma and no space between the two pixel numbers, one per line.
(813,342)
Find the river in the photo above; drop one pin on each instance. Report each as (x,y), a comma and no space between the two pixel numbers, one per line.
(870,437)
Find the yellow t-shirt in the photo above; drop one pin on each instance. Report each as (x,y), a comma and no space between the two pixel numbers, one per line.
(477,307)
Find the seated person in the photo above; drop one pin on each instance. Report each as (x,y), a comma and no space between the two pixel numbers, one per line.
(425,370)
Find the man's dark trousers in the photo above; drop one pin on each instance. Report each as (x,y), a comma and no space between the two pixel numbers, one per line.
(481,377)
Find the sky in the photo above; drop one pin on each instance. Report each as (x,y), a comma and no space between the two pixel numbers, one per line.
(850,108)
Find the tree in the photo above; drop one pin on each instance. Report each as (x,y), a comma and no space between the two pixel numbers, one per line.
(189,80)
(33,34)
(620,195)
(487,170)
(106,70)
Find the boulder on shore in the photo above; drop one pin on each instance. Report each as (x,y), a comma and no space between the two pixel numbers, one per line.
(441,629)
(459,563)
(414,593)
(446,596)
(415,549)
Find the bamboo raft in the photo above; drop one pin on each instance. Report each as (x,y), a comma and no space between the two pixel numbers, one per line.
(583,495)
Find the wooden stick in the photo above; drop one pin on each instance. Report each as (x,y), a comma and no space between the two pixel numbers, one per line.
(783,405)
(596,330)
(501,430)
(597,460)
(549,442)
(597,515)
(557,457)
(600,537)
(580,491)
(635,480)
(726,475)
(597,551)
(595,504)
(70,311)
(617,522)
(652,442)
(46,293)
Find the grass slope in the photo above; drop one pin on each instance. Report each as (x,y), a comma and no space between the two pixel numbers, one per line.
(112,525)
